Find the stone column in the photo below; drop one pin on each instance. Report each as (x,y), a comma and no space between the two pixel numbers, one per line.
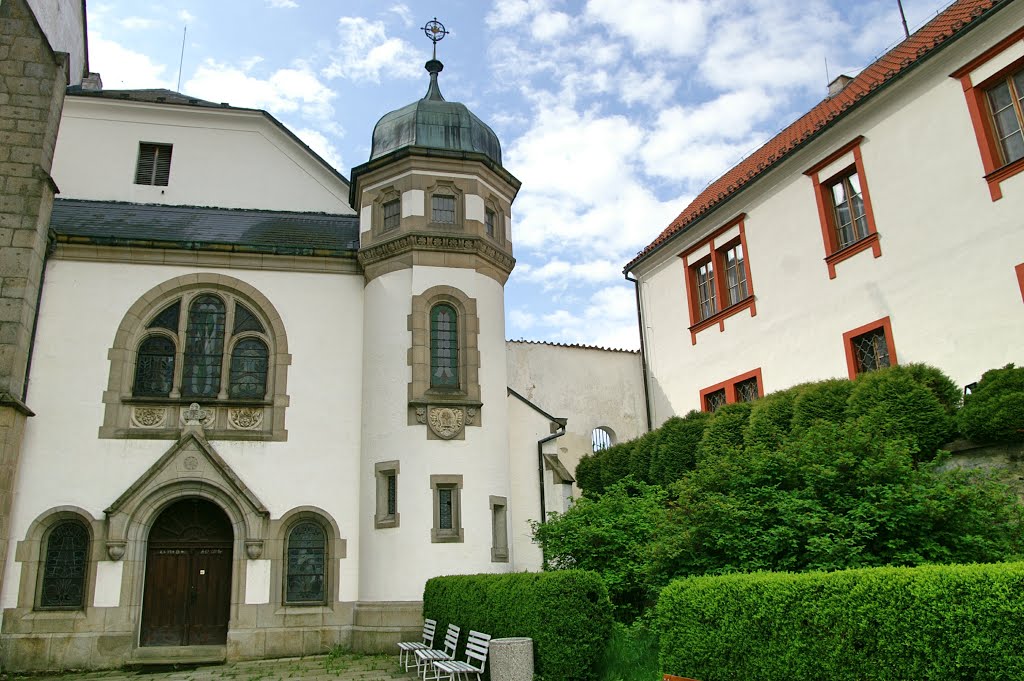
(32,82)
(511,659)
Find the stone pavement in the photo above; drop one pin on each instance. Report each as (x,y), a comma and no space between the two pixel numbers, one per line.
(334,667)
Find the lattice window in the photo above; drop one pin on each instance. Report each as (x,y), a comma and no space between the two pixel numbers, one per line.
(306,564)
(392,494)
(747,391)
(443,209)
(64,567)
(447,490)
(387,494)
(851,222)
(245,320)
(446,508)
(870,351)
(154,369)
(392,213)
(154,164)
(444,347)
(714,400)
(168,318)
(489,220)
(600,439)
(204,347)
(249,362)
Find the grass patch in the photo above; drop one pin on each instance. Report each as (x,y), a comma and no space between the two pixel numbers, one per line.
(631,655)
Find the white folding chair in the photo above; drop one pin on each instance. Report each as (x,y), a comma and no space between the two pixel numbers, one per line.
(476,658)
(405,648)
(425,657)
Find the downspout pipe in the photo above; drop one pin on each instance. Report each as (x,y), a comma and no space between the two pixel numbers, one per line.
(643,351)
(540,467)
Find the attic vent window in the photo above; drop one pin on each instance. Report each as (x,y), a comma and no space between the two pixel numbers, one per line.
(154,165)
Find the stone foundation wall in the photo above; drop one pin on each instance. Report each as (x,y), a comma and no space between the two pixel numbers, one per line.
(1006,461)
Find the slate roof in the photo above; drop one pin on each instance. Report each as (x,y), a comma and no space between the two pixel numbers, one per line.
(115,223)
(152,95)
(949,23)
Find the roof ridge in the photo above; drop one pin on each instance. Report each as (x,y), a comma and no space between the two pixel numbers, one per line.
(908,52)
(192,207)
(582,346)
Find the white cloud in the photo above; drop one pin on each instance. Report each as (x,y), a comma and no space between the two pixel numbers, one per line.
(125,69)
(282,4)
(365,52)
(286,90)
(138,23)
(548,26)
(672,27)
(319,143)
(559,273)
(186,16)
(404,13)
(521,319)
(608,320)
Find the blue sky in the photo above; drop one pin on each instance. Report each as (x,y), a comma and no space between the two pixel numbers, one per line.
(614,115)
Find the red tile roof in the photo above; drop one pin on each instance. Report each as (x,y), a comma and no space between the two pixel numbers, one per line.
(945,25)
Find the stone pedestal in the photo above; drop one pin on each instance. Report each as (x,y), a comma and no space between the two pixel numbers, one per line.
(511,659)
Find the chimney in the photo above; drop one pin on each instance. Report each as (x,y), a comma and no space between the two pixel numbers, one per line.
(837,85)
(92,82)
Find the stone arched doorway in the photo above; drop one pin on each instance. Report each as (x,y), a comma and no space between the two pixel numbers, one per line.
(187,595)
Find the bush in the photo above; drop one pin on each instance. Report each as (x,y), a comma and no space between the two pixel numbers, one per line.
(958,622)
(824,400)
(771,419)
(724,432)
(566,613)
(994,412)
(942,386)
(892,405)
(676,453)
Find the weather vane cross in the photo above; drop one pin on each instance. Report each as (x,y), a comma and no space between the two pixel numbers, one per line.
(436,31)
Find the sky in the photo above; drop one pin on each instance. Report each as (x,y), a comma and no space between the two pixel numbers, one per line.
(614,115)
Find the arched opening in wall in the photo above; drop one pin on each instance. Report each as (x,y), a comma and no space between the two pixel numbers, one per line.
(187,596)
(602,438)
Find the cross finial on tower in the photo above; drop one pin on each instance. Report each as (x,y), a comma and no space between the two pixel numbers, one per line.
(436,31)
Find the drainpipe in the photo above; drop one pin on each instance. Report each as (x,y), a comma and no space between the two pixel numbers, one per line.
(540,466)
(643,353)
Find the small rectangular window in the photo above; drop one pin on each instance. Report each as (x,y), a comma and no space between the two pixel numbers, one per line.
(735,274)
(447,491)
(743,388)
(443,209)
(1006,103)
(851,223)
(714,400)
(489,218)
(747,391)
(154,164)
(392,214)
(499,529)
(869,347)
(706,290)
(387,495)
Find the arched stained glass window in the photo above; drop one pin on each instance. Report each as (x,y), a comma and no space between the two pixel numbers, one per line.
(444,346)
(305,574)
(154,367)
(249,369)
(168,318)
(204,347)
(64,566)
(245,320)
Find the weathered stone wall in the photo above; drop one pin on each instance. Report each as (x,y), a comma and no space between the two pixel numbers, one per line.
(32,82)
(1006,461)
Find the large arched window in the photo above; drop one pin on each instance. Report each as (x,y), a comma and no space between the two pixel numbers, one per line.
(305,564)
(65,560)
(444,347)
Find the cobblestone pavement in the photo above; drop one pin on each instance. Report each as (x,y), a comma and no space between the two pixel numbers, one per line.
(344,667)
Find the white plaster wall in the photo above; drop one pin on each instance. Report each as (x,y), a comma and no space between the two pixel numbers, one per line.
(945,277)
(64,463)
(590,387)
(398,561)
(64,25)
(221,157)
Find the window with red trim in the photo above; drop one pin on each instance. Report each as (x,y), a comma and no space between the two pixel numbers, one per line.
(844,207)
(1019,269)
(869,347)
(995,102)
(718,277)
(743,388)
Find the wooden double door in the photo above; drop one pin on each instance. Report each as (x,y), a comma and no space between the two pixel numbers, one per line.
(187,596)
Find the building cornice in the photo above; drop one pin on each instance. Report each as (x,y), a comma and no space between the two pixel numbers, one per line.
(436,250)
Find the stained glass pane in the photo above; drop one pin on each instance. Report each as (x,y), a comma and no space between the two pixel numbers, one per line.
(168,318)
(307,546)
(249,369)
(443,209)
(392,494)
(392,214)
(746,391)
(444,347)
(67,556)
(204,347)
(245,320)
(871,351)
(444,502)
(154,367)
(712,401)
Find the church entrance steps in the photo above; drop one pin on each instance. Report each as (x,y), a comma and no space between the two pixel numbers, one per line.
(158,656)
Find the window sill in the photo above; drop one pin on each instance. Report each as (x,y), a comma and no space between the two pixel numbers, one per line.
(386,522)
(1000,174)
(720,317)
(185,401)
(870,241)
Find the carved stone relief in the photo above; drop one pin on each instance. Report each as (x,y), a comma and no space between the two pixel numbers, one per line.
(149,417)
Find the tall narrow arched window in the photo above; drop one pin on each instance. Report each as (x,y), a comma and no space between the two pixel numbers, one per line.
(444,347)
(248,378)
(154,367)
(204,347)
(64,567)
(306,565)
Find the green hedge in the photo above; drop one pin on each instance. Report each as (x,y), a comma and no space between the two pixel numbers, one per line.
(566,613)
(955,622)
(994,412)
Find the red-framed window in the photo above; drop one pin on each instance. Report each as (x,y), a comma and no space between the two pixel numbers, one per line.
(718,282)
(994,101)
(1019,269)
(869,347)
(743,388)
(844,206)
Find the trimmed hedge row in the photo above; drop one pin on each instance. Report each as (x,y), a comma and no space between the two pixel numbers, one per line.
(934,622)
(566,613)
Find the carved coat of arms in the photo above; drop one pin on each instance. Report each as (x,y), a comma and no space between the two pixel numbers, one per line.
(445,421)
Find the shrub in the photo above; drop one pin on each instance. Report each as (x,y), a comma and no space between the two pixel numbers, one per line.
(640,456)
(957,622)
(824,400)
(994,412)
(588,474)
(941,385)
(566,613)
(892,405)
(676,453)
(724,432)
(771,419)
